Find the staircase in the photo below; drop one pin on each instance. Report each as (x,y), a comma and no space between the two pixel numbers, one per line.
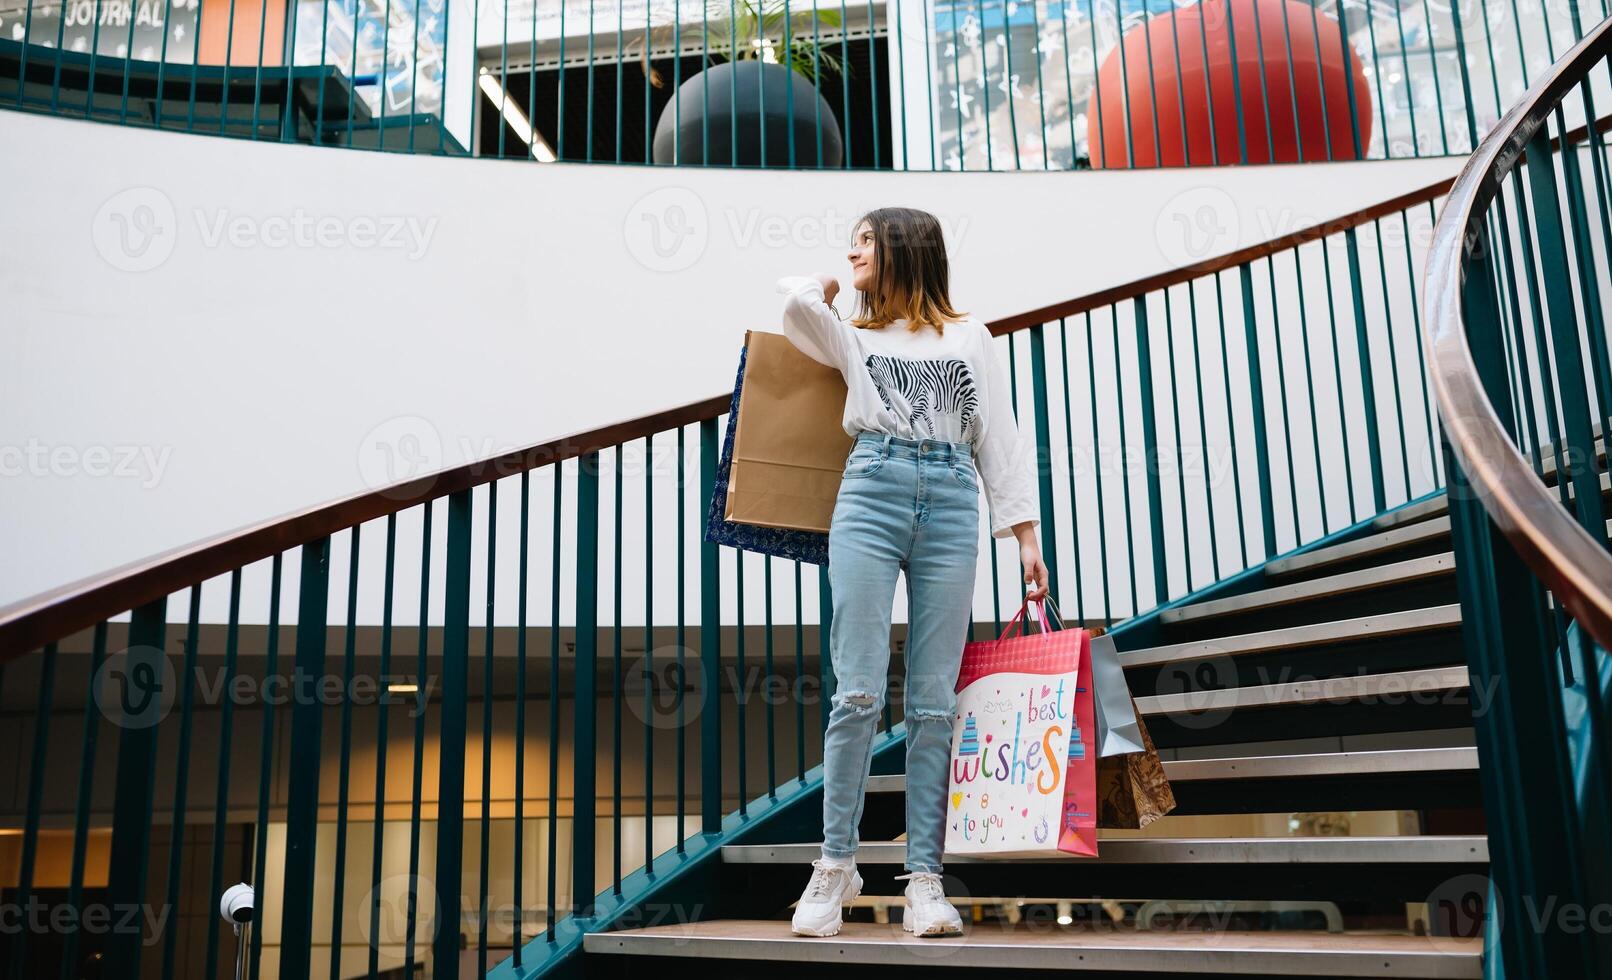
(1357,645)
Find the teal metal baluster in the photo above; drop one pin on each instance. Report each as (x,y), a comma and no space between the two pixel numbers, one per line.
(1309,388)
(1208,91)
(682,636)
(1344,50)
(1069,441)
(348,669)
(302,798)
(1068,83)
(414,70)
(1098,481)
(257,102)
(1175,424)
(162,66)
(228,76)
(1150,455)
(1152,83)
(1337,375)
(1236,85)
(86,791)
(176,840)
(226,735)
(1125,87)
(648,675)
(451,741)
(1180,96)
(1043,439)
(552,900)
(1432,61)
(767,679)
(487,687)
(985,85)
(418,761)
(1393,357)
(588,141)
(621,67)
(1040,88)
(1368,387)
(352,95)
(519,876)
(36,791)
(559,154)
(1293,90)
(1007,85)
(845,81)
(1281,394)
(1203,429)
(584,882)
(27,42)
(873,76)
(288,120)
(1097,98)
(785,58)
(616,693)
(1264,84)
(382,739)
(1259,418)
(1404,66)
(1321,79)
(1231,420)
(1465,75)
(710,644)
(1124,468)
(739,693)
(266,739)
(800,678)
(1429,410)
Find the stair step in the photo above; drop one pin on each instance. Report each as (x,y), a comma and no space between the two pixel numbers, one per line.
(1005,948)
(1403,536)
(1313,765)
(1364,628)
(1357,687)
(1329,587)
(1399,779)
(1171,851)
(1411,513)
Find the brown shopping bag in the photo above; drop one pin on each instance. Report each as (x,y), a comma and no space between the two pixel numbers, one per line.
(790,447)
(1132,790)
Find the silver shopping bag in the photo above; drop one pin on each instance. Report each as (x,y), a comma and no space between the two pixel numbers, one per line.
(1117,730)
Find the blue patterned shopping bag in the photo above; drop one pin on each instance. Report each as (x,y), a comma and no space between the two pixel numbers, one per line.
(807,546)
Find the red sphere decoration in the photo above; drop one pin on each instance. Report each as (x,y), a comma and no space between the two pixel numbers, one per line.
(1271,87)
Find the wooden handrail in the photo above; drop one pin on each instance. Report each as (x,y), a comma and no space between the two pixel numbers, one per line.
(1565,557)
(30,623)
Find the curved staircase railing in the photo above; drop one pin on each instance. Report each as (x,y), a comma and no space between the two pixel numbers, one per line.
(1237,377)
(1517,342)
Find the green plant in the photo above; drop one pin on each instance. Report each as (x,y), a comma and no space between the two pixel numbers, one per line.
(739,30)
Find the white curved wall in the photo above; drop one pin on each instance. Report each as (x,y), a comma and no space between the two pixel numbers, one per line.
(197,333)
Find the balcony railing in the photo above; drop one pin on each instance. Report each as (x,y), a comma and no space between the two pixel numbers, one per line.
(898,84)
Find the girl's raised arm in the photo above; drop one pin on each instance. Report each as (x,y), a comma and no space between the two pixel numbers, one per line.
(811,325)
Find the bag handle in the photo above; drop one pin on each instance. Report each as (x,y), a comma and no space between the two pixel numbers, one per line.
(1036,605)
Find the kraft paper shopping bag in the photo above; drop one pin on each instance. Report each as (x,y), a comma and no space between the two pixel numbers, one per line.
(790,448)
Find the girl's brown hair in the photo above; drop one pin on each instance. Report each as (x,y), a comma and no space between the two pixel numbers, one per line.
(910,275)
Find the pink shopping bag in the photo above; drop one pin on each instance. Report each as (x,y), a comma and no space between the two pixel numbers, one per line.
(1024,762)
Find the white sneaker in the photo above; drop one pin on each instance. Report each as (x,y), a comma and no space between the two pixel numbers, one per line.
(832,886)
(928,913)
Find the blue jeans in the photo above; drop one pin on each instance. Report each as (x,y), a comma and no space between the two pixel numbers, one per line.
(904,505)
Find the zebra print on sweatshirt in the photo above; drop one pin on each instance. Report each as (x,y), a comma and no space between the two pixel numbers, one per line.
(929,388)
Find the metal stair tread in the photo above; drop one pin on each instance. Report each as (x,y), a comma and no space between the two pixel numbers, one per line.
(992,946)
(1408,849)
(1395,573)
(1376,626)
(1302,766)
(1388,540)
(1308,691)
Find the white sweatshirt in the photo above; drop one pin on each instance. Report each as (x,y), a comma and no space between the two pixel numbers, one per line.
(924,385)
